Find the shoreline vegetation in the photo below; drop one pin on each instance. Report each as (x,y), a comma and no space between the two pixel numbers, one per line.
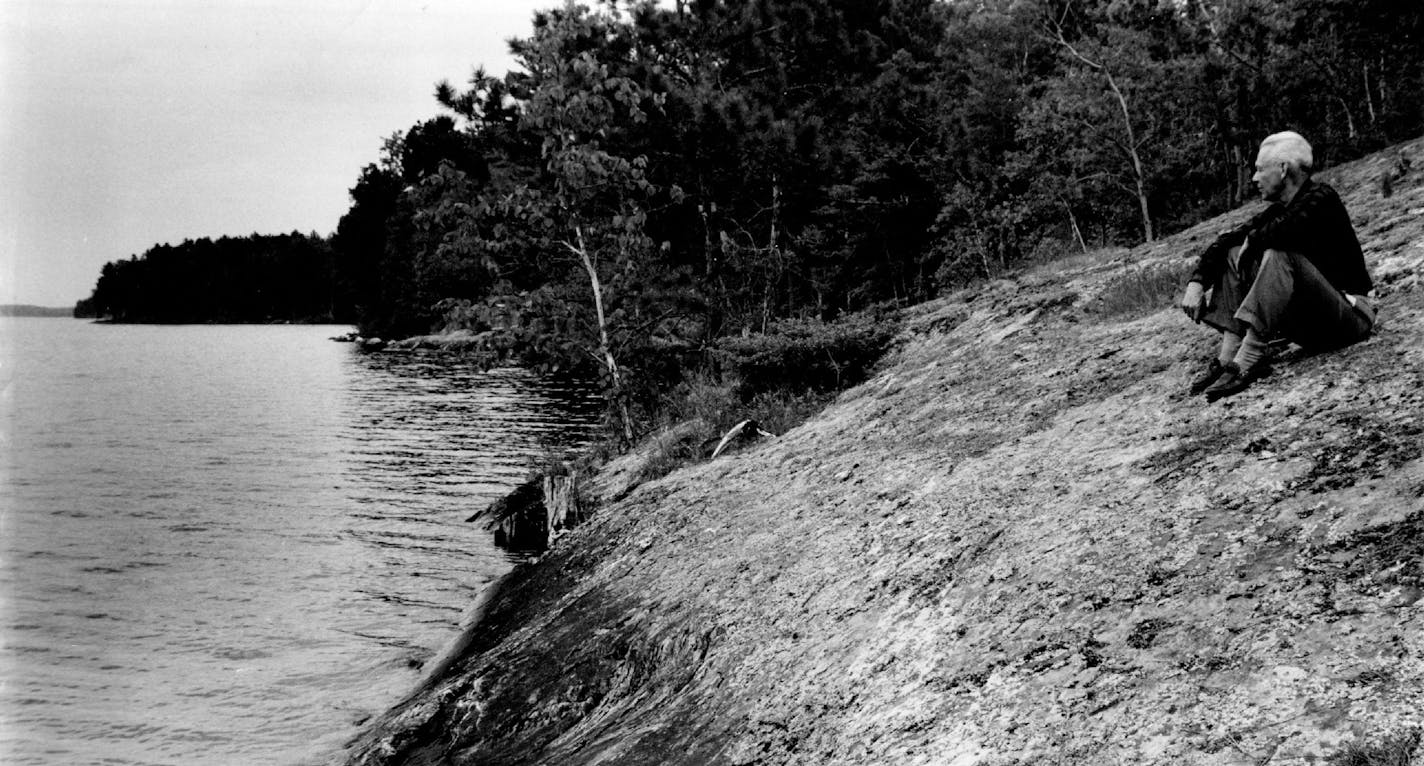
(653,186)
(1015,541)
(744,388)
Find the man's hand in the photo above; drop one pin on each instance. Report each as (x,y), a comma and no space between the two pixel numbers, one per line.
(1194,302)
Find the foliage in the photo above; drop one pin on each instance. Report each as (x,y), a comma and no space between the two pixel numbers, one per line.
(397,256)
(703,407)
(777,379)
(1141,290)
(727,174)
(259,278)
(807,355)
(1399,749)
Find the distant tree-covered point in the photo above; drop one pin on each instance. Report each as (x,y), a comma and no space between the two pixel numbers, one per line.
(27,310)
(257,278)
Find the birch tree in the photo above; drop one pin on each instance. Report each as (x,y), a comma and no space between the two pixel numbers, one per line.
(590,204)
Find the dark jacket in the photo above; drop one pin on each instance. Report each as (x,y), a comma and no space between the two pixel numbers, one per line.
(1314,225)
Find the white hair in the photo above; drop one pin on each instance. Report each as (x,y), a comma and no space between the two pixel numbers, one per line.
(1291,148)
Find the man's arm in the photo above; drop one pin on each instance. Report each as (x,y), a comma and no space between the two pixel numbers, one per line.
(1210,265)
(1212,262)
(1299,226)
(1316,225)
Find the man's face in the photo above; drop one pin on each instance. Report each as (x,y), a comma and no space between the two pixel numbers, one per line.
(1270,177)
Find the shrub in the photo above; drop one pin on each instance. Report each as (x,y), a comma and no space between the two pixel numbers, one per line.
(781,411)
(808,354)
(1142,290)
(704,396)
(711,410)
(672,449)
(1398,749)
(715,405)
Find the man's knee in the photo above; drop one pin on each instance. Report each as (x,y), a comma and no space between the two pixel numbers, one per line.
(1279,271)
(1288,261)
(1277,259)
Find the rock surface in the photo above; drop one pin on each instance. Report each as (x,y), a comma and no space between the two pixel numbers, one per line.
(1019,543)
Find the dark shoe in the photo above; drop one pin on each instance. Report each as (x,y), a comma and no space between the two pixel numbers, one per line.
(1234,380)
(1200,382)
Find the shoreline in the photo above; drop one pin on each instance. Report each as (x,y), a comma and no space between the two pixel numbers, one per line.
(1019,541)
(471,621)
(215,322)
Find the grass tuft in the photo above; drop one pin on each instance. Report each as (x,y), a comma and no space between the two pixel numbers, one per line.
(703,408)
(1068,262)
(1141,291)
(1398,749)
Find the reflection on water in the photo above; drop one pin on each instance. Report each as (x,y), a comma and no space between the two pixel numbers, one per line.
(228,544)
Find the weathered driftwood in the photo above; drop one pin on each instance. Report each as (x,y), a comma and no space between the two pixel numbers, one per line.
(563,508)
(534,513)
(743,431)
(517,519)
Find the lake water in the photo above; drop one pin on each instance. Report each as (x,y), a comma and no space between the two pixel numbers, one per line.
(230,544)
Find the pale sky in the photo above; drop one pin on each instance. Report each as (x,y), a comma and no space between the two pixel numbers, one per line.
(127,123)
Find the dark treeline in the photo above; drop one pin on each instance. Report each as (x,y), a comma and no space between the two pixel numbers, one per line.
(657,178)
(258,278)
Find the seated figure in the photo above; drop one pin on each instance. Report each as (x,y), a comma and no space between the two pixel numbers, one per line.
(1295,270)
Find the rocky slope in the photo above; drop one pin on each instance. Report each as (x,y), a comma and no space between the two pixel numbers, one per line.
(1020,543)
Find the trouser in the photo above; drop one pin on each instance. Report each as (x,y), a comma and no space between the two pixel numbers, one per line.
(1287,296)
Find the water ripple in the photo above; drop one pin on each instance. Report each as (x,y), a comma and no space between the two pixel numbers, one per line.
(228,544)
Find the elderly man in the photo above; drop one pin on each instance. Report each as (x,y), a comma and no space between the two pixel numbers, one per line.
(1294,270)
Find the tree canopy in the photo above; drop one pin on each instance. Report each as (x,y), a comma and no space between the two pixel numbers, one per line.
(258,278)
(808,157)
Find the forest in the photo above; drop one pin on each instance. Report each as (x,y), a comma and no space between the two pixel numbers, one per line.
(257,278)
(659,182)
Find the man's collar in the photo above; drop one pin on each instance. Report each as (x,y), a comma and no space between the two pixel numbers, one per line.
(1300,190)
